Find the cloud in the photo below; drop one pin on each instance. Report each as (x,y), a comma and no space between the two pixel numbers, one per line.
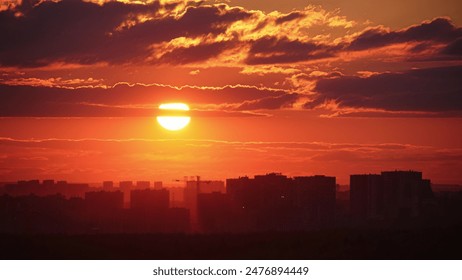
(454,48)
(289,17)
(40,33)
(427,90)
(438,39)
(68,31)
(273,50)
(180,32)
(428,35)
(132,100)
(437,30)
(275,46)
(199,53)
(94,159)
(52,82)
(270,103)
(114,32)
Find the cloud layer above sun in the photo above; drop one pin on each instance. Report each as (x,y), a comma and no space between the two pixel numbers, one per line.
(322,87)
(69,53)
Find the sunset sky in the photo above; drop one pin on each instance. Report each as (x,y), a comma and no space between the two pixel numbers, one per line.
(299,87)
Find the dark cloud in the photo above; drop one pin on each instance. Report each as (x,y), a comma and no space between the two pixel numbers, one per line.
(79,32)
(121,100)
(431,90)
(270,103)
(70,31)
(439,30)
(427,36)
(272,50)
(289,17)
(454,48)
(420,47)
(201,52)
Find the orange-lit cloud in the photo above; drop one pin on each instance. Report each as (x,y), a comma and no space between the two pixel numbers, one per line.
(130,100)
(168,32)
(424,90)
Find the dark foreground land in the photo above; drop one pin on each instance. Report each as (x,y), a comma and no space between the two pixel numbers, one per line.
(429,243)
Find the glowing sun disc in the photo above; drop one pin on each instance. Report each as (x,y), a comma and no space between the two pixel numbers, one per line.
(174,106)
(172,122)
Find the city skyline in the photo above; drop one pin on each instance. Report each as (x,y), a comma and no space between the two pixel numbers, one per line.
(154,183)
(382,216)
(270,202)
(297,87)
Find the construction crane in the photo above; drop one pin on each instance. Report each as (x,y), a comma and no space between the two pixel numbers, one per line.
(196,178)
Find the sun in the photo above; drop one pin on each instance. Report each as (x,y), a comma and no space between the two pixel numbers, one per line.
(173,116)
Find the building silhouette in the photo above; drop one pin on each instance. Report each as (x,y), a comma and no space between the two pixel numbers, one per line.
(265,203)
(158,185)
(126,187)
(366,196)
(40,214)
(142,185)
(150,200)
(150,212)
(215,212)
(46,188)
(315,198)
(403,193)
(103,211)
(392,195)
(190,194)
(104,201)
(108,185)
(276,202)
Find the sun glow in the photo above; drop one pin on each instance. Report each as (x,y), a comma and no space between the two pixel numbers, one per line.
(174,118)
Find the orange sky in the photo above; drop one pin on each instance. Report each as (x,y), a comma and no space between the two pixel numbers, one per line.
(296,87)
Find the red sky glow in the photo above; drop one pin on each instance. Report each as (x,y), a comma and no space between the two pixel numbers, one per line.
(298,87)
